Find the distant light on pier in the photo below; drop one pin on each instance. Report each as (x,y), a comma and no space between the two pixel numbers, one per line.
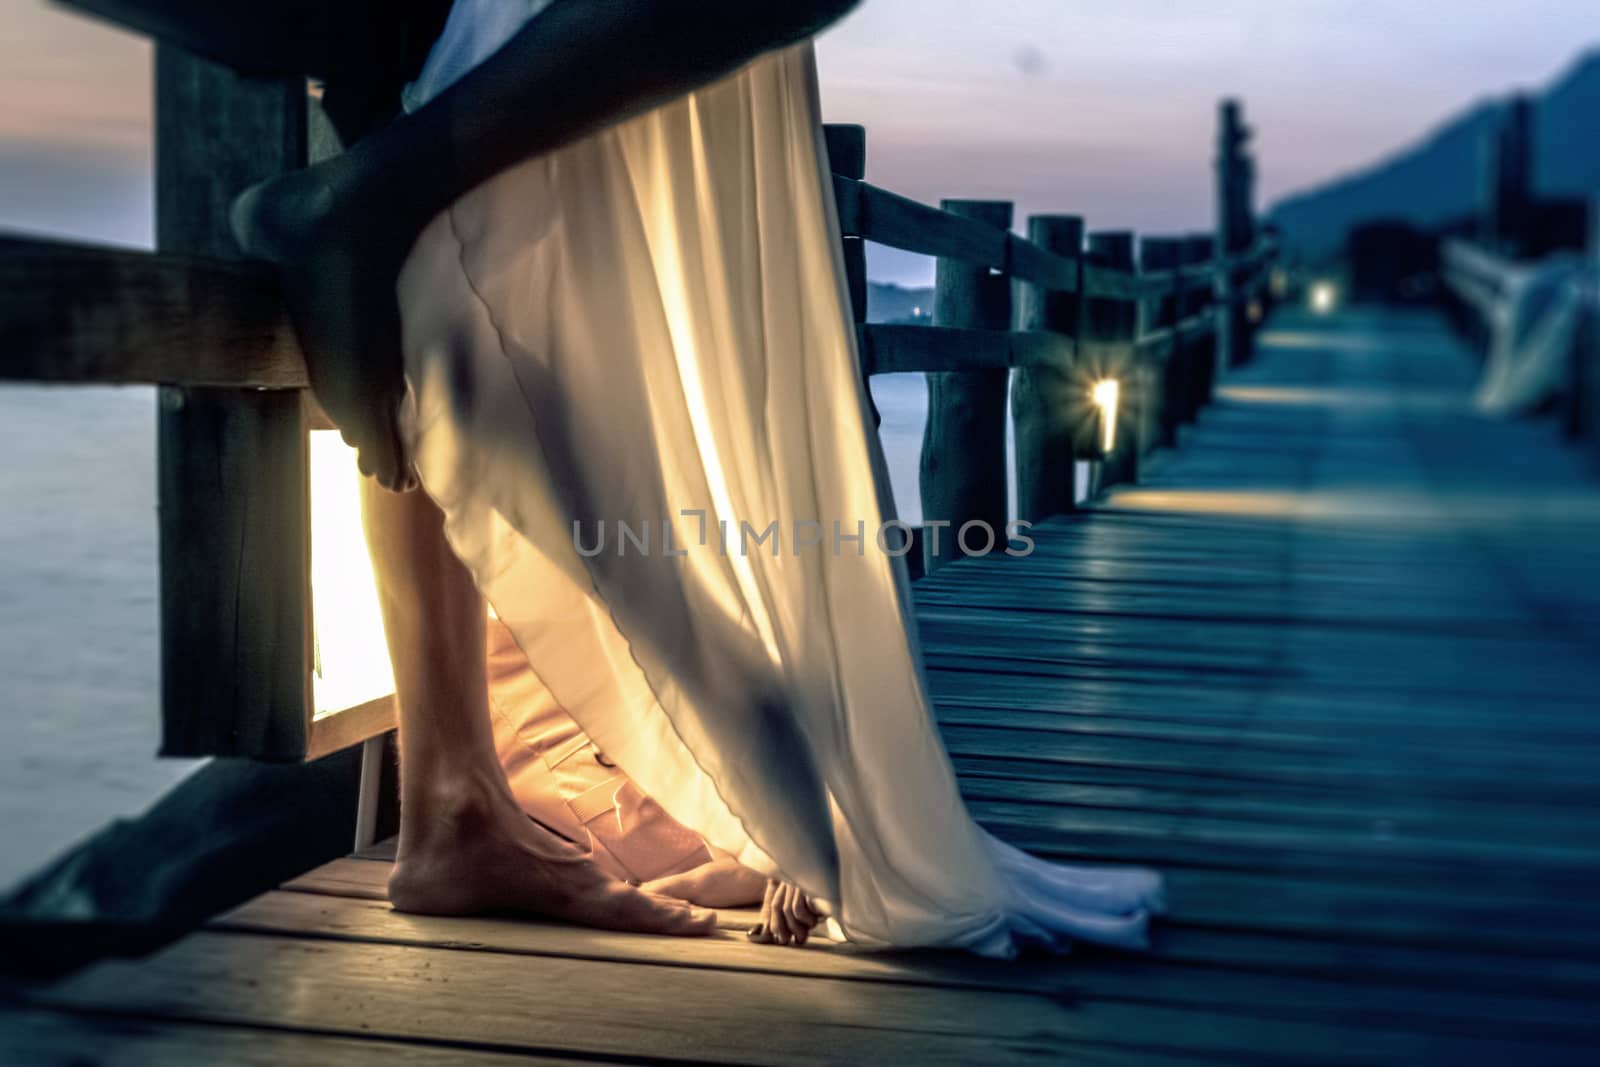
(1324,297)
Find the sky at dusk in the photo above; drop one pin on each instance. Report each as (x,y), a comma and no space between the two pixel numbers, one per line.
(1102,109)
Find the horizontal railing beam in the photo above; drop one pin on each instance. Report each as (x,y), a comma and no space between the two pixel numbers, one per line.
(895,349)
(886,218)
(72,313)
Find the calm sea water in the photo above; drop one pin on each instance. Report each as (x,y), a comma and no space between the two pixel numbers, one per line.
(78,606)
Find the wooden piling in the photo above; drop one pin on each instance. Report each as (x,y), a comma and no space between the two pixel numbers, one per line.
(847,156)
(235,624)
(1047,403)
(1162,311)
(963,469)
(1235,233)
(1582,416)
(1506,216)
(1201,351)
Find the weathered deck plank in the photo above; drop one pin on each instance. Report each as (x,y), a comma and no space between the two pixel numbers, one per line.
(1330,667)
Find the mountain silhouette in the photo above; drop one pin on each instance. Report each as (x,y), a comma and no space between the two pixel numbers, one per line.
(1436,182)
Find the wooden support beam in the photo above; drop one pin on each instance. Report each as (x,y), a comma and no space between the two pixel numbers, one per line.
(886,218)
(77,314)
(963,468)
(235,611)
(1048,403)
(896,349)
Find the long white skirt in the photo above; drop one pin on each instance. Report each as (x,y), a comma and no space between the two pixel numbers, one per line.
(649,329)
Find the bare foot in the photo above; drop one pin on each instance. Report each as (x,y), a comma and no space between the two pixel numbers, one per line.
(787,916)
(477,856)
(338,273)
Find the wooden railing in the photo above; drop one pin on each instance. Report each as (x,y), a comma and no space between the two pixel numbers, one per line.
(1486,287)
(1478,277)
(1043,320)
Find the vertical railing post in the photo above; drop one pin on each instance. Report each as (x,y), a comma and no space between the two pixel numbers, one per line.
(1507,173)
(1583,393)
(847,157)
(1158,254)
(1201,351)
(233,482)
(1116,322)
(1047,402)
(963,472)
(1235,231)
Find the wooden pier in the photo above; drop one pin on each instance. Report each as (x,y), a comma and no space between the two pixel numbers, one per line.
(1330,667)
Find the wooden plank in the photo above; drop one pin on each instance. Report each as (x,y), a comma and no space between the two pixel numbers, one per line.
(98,315)
(1107,977)
(704,1015)
(43,1038)
(234,524)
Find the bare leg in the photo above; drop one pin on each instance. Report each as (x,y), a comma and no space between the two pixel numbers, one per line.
(340,231)
(465,847)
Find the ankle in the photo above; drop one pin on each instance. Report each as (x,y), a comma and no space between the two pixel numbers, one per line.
(440,808)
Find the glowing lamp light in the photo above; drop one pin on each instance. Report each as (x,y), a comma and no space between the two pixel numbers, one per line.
(1324,297)
(350,663)
(1106,395)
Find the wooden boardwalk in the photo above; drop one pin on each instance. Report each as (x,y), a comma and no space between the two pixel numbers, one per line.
(1331,667)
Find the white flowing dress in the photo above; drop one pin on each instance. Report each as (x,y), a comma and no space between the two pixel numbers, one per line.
(649,329)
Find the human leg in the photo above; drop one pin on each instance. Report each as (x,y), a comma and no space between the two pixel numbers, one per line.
(465,847)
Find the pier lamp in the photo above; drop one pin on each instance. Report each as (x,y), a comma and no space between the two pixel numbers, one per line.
(1105,401)
(1323,297)
(349,655)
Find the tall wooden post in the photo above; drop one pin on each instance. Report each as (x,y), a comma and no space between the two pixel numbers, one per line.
(847,157)
(1583,394)
(1116,322)
(1235,232)
(232,466)
(1201,351)
(963,476)
(1163,254)
(1507,194)
(1047,402)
